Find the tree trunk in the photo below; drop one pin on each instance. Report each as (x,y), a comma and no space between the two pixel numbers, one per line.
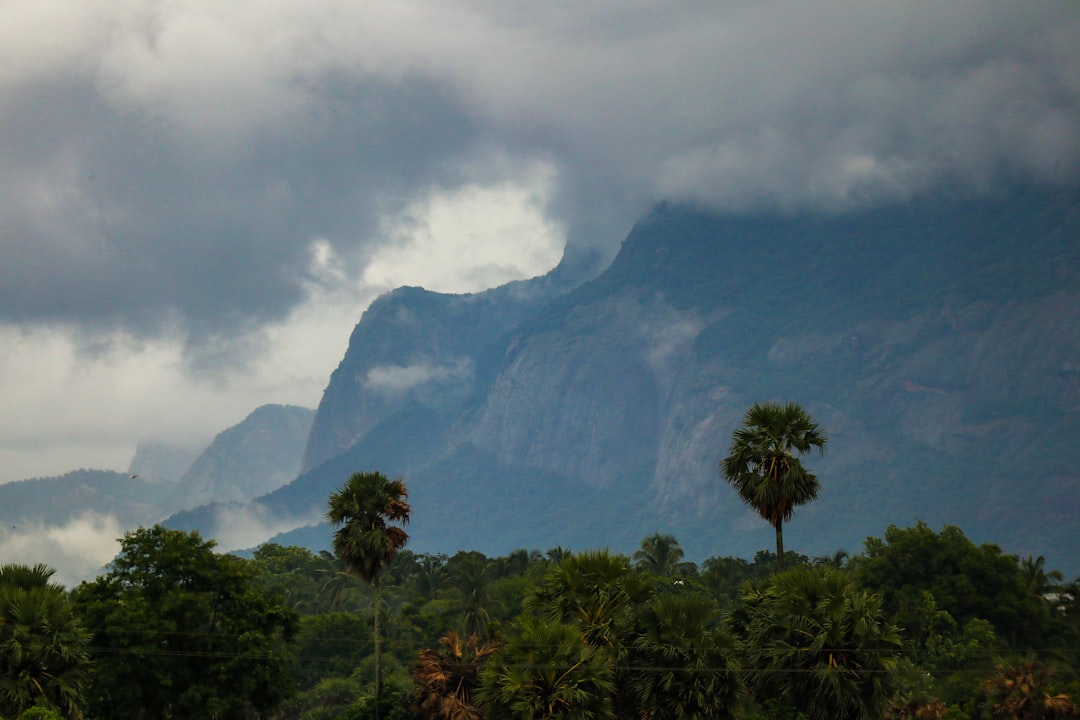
(779,545)
(378,648)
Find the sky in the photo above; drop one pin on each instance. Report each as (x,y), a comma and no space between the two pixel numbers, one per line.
(198,200)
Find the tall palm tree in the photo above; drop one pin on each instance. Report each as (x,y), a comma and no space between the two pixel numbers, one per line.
(763,467)
(366,507)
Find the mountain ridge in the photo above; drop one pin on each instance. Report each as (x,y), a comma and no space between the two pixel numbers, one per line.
(938,344)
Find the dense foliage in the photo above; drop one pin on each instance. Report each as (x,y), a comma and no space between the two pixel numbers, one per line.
(43,645)
(920,624)
(180,631)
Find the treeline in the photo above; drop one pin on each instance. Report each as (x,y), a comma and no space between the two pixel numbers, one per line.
(922,623)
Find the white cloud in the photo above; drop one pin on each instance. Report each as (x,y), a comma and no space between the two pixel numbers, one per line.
(70,404)
(77,550)
(668,336)
(399,379)
(237,527)
(472,238)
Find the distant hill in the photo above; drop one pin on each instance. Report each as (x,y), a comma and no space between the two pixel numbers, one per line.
(162,462)
(257,455)
(58,500)
(937,343)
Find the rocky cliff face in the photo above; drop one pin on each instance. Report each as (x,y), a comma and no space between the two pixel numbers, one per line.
(579,401)
(162,462)
(416,348)
(917,336)
(938,344)
(259,454)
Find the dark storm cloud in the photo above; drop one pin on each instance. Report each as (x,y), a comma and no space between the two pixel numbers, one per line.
(110,219)
(169,166)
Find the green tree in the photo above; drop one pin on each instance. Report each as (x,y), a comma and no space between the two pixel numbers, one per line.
(181,631)
(763,467)
(837,560)
(39,713)
(328,643)
(1041,583)
(469,575)
(966,580)
(817,644)
(548,670)
(683,663)
(661,554)
(721,578)
(597,593)
(293,573)
(430,576)
(594,590)
(44,657)
(365,508)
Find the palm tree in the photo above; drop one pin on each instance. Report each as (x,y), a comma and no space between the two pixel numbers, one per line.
(44,658)
(469,581)
(1019,692)
(337,585)
(837,560)
(596,591)
(364,507)
(448,681)
(684,664)
(430,576)
(548,670)
(1043,584)
(660,553)
(762,465)
(814,642)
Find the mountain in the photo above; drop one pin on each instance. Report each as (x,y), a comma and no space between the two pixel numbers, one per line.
(56,501)
(259,454)
(161,462)
(937,343)
(255,456)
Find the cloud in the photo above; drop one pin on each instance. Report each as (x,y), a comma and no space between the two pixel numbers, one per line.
(77,550)
(74,401)
(473,238)
(668,336)
(80,549)
(177,160)
(399,379)
(197,200)
(240,527)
